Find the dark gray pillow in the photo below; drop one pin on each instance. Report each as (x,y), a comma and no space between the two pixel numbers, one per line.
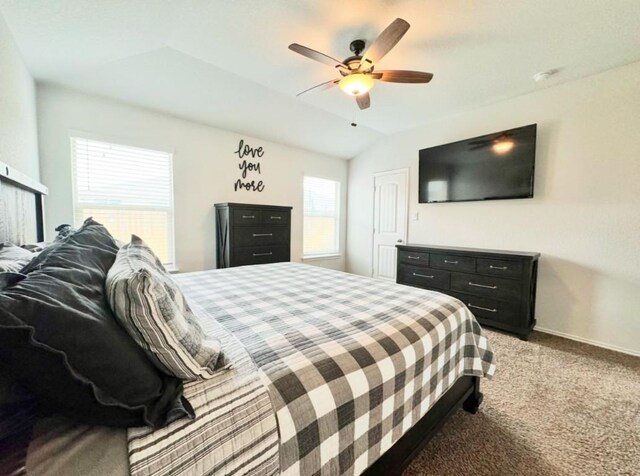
(13,258)
(59,339)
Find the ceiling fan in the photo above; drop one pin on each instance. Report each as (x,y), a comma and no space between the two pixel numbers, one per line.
(500,143)
(358,71)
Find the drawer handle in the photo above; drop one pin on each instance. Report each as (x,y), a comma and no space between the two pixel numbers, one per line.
(483,308)
(250,217)
(482,285)
(263,254)
(276,218)
(413,257)
(498,267)
(450,262)
(262,234)
(423,275)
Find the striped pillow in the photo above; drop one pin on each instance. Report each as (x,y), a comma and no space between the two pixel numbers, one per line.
(151,307)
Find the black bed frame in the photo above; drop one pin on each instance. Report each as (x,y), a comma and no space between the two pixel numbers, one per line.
(464,393)
(15,192)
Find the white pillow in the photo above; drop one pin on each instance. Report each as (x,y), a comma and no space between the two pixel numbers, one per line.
(13,258)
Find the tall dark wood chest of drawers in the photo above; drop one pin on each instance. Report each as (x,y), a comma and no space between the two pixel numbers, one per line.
(252,234)
(498,287)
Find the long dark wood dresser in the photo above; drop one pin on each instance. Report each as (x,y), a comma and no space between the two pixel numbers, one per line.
(499,287)
(252,234)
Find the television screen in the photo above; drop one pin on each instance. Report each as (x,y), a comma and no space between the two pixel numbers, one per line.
(491,167)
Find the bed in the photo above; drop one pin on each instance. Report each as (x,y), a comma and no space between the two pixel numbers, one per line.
(330,373)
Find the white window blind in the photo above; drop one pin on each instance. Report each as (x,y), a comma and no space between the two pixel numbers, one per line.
(127,189)
(321,217)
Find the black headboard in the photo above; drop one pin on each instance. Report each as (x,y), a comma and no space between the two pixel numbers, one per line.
(21,207)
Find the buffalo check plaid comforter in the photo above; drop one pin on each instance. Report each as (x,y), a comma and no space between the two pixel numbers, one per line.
(349,364)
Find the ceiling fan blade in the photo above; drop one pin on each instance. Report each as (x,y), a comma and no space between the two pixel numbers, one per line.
(400,76)
(321,86)
(364,101)
(479,142)
(478,146)
(383,44)
(316,55)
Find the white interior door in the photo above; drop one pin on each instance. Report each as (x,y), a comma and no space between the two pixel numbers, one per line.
(389,220)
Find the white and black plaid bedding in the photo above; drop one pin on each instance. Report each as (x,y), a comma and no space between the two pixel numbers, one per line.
(350,363)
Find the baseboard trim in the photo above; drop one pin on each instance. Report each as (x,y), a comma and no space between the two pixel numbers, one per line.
(635,353)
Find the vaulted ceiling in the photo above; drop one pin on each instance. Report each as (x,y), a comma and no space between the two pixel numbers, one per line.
(226,63)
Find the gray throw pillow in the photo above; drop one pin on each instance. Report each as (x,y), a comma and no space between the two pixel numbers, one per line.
(151,307)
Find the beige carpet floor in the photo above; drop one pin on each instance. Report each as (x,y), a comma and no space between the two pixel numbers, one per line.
(554,407)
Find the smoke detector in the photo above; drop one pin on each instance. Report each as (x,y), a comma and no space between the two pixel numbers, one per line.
(543,75)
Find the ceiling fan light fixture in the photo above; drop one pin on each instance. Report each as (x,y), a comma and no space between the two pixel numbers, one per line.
(503,146)
(356,84)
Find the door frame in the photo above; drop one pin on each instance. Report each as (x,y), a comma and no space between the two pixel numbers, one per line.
(405,171)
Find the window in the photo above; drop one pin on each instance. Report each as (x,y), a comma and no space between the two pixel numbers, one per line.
(127,189)
(321,217)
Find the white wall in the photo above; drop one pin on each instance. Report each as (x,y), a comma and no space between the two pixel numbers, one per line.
(18,133)
(205,168)
(584,219)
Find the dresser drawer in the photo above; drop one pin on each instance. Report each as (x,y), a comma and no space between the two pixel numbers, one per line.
(247,216)
(427,277)
(486,286)
(275,218)
(509,313)
(260,235)
(260,255)
(413,258)
(452,262)
(498,267)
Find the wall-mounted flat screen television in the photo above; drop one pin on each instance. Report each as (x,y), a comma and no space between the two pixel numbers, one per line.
(490,167)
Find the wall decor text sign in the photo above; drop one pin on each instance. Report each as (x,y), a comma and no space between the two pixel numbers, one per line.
(247,166)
